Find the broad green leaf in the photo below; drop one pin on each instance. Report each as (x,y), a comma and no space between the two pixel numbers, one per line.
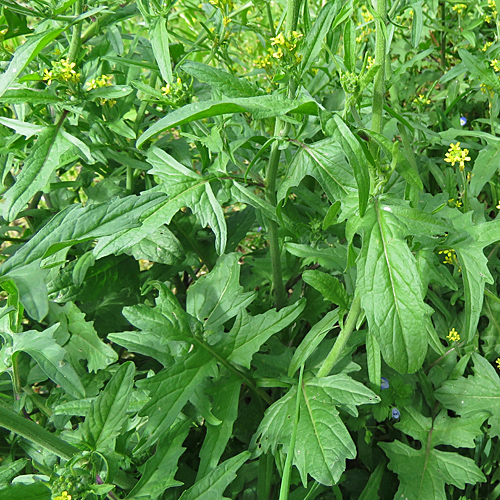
(34,491)
(334,258)
(358,161)
(227,84)
(24,54)
(323,443)
(50,357)
(184,188)
(424,474)
(159,471)
(485,166)
(218,296)
(161,48)
(468,396)
(84,342)
(325,161)
(36,172)
(70,226)
(260,107)
(249,332)
(389,286)
(329,286)
(108,411)
(212,486)
(170,390)
(225,395)
(312,340)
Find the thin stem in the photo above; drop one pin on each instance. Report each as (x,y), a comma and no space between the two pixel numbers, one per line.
(76,39)
(442,9)
(338,348)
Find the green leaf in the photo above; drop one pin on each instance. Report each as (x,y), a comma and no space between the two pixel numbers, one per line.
(70,226)
(417,23)
(84,342)
(212,486)
(36,172)
(9,470)
(389,286)
(312,340)
(334,258)
(50,357)
(329,286)
(159,471)
(170,390)
(485,166)
(108,411)
(161,48)
(358,161)
(323,443)
(249,332)
(260,107)
(424,475)
(34,491)
(468,396)
(314,39)
(480,69)
(24,54)
(218,296)
(224,82)
(110,92)
(350,46)
(225,395)
(325,161)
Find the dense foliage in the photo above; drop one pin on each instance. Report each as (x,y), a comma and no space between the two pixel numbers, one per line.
(249,250)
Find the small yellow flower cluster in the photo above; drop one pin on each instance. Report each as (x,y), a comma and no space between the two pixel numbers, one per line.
(100,81)
(62,70)
(450,256)
(495,64)
(172,89)
(486,46)
(457,154)
(367,18)
(221,4)
(370,61)
(498,363)
(63,496)
(459,8)
(457,203)
(421,99)
(453,336)
(491,4)
(498,205)
(264,62)
(286,43)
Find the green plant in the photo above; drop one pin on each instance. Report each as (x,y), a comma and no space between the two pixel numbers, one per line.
(249,250)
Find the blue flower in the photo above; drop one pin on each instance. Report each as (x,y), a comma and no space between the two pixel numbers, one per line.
(463,121)
(395,413)
(384,383)
(259,229)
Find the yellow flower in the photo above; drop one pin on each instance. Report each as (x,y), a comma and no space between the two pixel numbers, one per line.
(450,256)
(278,40)
(459,7)
(498,363)
(63,71)
(496,64)
(458,155)
(278,54)
(498,206)
(167,89)
(63,496)
(486,46)
(100,81)
(453,336)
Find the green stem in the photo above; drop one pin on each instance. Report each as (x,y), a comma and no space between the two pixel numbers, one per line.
(380,56)
(287,469)
(274,246)
(292,15)
(442,10)
(342,339)
(76,39)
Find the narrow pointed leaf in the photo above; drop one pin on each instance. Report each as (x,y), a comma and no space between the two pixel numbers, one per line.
(161,48)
